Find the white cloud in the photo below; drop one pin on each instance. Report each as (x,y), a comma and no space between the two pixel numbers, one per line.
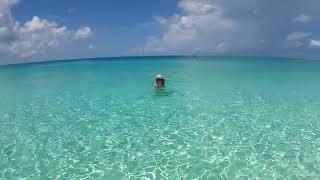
(91,47)
(296,39)
(250,27)
(161,20)
(302,18)
(6,3)
(83,33)
(315,43)
(197,6)
(297,36)
(203,23)
(35,37)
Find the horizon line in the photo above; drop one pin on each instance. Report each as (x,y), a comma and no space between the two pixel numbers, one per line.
(151,56)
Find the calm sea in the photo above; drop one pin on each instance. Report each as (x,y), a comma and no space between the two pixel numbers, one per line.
(218,118)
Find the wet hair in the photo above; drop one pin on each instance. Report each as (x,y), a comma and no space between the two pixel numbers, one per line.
(162,80)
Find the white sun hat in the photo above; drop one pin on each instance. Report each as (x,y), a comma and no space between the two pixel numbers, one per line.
(159,77)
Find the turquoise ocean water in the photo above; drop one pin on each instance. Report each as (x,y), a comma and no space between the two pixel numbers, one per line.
(218,118)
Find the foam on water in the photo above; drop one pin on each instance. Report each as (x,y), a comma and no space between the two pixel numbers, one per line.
(218,118)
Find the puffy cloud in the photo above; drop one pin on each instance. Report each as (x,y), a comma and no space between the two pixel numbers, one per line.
(200,23)
(249,27)
(83,33)
(35,37)
(302,18)
(197,7)
(295,39)
(315,43)
(7,25)
(297,36)
(4,4)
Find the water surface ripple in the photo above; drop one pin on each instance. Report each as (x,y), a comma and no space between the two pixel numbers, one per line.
(219,118)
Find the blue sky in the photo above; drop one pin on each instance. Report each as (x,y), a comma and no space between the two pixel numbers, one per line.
(33,30)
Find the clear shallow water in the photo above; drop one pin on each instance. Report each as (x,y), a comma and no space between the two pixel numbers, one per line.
(219,118)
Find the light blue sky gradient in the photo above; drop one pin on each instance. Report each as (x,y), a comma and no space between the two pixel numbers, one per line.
(167,27)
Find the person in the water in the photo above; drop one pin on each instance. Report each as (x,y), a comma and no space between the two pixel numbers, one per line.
(160,82)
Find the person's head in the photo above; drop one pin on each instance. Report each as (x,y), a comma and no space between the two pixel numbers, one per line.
(160,81)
